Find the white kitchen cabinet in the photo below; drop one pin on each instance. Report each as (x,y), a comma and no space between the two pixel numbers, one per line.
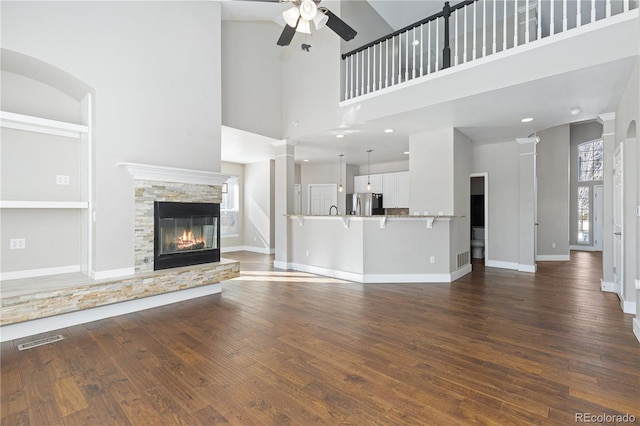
(360,183)
(395,190)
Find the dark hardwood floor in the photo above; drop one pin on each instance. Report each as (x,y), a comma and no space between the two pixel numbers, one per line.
(276,347)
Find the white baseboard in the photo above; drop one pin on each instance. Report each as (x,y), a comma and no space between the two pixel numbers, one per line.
(636,328)
(30,273)
(380,278)
(113,273)
(553,257)
(261,250)
(583,248)
(607,286)
(628,306)
(502,265)
(528,268)
(278,264)
(30,328)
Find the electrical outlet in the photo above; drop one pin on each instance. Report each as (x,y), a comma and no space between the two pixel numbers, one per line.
(432,259)
(62,180)
(307,252)
(17,243)
(553,245)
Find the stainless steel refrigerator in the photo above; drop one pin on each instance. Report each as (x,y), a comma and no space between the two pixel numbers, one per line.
(365,204)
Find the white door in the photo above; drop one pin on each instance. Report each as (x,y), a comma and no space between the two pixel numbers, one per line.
(322,197)
(597,217)
(618,238)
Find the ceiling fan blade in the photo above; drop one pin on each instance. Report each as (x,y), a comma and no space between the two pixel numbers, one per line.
(287,35)
(339,26)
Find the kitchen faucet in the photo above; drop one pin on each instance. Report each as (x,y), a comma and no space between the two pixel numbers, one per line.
(331,208)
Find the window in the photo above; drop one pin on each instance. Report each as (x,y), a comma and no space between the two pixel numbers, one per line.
(590,161)
(583,215)
(229,208)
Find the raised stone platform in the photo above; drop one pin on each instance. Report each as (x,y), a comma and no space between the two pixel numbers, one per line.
(35,298)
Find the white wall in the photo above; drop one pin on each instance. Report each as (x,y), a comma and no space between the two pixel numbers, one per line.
(389,167)
(553,193)
(252,76)
(156,85)
(258,215)
(501,162)
(461,225)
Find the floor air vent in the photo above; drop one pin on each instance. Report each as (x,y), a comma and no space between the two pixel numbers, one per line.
(463,259)
(40,342)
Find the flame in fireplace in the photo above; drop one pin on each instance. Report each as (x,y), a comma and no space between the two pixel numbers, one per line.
(187,241)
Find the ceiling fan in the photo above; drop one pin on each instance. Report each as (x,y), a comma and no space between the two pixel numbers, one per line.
(303,12)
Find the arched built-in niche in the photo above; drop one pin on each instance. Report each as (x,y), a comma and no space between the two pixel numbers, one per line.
(46,169)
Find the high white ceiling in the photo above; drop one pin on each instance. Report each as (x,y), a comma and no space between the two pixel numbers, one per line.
(488,117)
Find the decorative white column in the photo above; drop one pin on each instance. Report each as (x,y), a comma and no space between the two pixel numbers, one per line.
(285,169)
(527,255)
(608,122)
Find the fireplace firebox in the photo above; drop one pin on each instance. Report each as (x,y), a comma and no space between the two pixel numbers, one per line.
(186,234)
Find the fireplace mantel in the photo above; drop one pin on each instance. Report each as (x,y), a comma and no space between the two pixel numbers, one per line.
(173,174)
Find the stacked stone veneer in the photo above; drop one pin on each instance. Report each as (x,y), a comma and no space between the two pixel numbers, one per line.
(98,293)
(146,193)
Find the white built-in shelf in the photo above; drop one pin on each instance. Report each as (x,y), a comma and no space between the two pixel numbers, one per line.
(29,123)
(8,204)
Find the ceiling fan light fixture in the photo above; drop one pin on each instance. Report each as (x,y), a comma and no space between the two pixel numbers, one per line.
(303,27)
(308,10)
(320,20)
(291,16)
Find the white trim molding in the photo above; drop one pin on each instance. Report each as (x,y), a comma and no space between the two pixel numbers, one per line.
(261,250)
(31,273)
(553,257)
(582,248)
(174,174)
(636,328)
(43,325)
(113,273)
(609,287)
(12,204)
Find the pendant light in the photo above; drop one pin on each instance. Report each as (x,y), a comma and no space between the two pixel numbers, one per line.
(369,172)
(340,188)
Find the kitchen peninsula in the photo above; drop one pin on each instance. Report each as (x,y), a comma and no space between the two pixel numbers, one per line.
(379,249)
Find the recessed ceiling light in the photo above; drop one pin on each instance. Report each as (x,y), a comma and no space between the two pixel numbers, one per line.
(339,136)
(575,111)
(388,130)
(406,152)
(306,161)
(415,42)
(526,120)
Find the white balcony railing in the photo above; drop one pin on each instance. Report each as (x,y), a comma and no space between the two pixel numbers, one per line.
(465,32)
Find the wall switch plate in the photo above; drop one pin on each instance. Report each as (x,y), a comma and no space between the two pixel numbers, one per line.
(17,243)
(432,259)
(553,245)
(62,180)
(307,252)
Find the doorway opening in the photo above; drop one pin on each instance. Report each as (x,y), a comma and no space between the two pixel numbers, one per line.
(479,217)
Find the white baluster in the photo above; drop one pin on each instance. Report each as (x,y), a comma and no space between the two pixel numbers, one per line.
(578,14)
(593,11)
(357,86)
(625,5)
(368,69)
(552,7)
(346,78)
(466,36)
(406,58)
(526,22)
(380,66)
(393,61)
(504,26)
(564,15)
(386,66)
(484,28)
(539,20)
(351,72)
(413,71)
(429,48)
(475,23)
(515,23)
(608,9)
(362,72)
(437,44)
(495,24)
(455,16)
(421,50)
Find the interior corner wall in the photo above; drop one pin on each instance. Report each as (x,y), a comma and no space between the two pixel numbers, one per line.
(252,77)
(157,92)
(501,163)
(431,172)
(258,206)
(627,112)
(552,163)
(236,170)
